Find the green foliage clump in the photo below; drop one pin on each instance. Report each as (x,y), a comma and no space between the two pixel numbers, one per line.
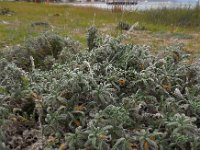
(44,49)
(6,11)
(92,37)
(123,26)
(114,96)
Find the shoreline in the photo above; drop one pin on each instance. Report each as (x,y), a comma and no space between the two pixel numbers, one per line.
(141,6)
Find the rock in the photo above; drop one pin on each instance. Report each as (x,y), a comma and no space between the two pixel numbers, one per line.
(45,24)
(5,22)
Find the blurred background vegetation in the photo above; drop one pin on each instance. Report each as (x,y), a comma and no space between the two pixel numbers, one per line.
(157,27)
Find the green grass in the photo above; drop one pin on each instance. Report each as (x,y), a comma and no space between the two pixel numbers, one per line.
(74,21)
(66,20)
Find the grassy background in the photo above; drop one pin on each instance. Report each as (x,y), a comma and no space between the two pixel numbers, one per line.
(162,26)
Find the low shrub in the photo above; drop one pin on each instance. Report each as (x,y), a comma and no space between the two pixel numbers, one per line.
(111,96)
(123,26)
(41,48)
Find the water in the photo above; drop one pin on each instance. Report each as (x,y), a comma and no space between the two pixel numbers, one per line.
(145,5)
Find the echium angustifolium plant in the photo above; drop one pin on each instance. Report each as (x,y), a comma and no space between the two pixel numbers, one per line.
(114,96)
